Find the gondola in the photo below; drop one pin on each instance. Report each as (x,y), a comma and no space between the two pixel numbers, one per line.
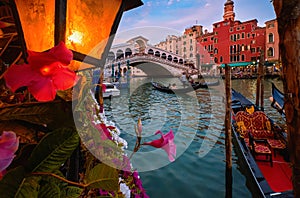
(192,87)
(268,174)
(277,100)
(205,84)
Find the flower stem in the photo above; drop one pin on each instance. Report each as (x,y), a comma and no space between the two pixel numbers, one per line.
(62,179)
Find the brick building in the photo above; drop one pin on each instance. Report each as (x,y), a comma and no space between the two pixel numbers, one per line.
(272,42)
(234,42)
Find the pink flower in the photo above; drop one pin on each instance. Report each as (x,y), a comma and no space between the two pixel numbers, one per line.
(104,132)
(166,142)
(45,73)
(9,144)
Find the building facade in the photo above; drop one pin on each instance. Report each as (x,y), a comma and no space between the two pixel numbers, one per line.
(230,42)
(184,45)
(234,42)
(272,42)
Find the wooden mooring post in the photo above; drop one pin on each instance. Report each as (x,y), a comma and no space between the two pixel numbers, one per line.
(228,136)
(260,83)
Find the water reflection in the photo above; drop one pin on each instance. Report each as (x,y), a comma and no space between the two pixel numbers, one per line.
(199,169)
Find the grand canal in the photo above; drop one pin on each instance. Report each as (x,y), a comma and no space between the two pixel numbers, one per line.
(197,120)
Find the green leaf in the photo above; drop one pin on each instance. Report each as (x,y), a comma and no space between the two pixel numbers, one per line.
(29,188)
(36,113)
(14,184)
(72,192)
(104,177)
(53,150)
(11,181)
(49,190)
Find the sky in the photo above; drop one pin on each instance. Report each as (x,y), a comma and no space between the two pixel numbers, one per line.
(158,18)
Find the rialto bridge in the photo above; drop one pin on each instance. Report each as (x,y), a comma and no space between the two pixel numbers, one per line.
(143,60)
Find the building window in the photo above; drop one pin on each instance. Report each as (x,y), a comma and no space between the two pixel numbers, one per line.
(243,47)
(243,35)
(231,29)
(253,50)
(216,51)
(258,49)
(271,25)
(270,52)
(248,35)
(238,36)
(243,57)
(191,55)
(184,49)
(271,38)
(191,41)
(221,59)
(191,48)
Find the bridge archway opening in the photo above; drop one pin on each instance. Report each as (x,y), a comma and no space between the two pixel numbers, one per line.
(140,46)
(128,52)
(157,53)
(164,56)
(151,52)
(111,56)
(154,70)
(180,61)
(175,60)
(120,54)
(170,58)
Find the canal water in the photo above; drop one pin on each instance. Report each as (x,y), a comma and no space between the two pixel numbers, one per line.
(197,120)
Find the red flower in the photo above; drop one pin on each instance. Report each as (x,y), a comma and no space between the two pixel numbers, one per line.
(45,73)
(166,142)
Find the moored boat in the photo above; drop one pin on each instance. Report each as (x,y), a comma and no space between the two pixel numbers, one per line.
(277,100)
(189,88)
(261,148)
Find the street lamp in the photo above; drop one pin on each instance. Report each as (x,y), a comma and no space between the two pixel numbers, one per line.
(80,24)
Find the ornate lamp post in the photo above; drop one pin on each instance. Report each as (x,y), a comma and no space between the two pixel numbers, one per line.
(80,24)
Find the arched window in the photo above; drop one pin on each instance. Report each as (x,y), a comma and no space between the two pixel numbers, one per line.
(270,52)
(271,38)
(216,51)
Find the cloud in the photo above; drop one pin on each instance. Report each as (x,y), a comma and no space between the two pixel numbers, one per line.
(181,14)
(170,2)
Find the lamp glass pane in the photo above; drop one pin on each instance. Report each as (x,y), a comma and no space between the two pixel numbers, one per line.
(89,24)
(37,20)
